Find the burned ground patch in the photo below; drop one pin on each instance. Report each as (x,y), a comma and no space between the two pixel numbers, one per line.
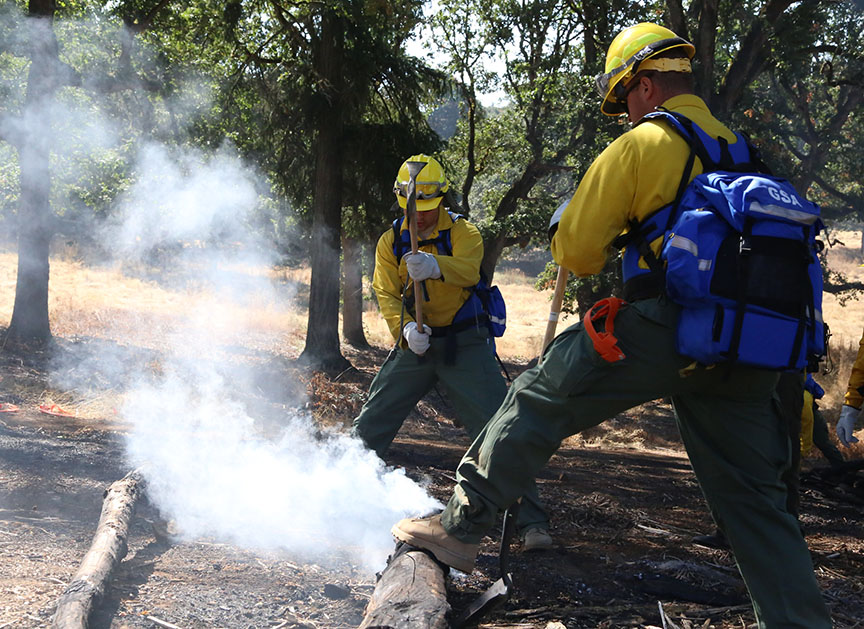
(622,520)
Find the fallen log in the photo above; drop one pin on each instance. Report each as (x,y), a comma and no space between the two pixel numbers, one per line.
(410,594)
(107,550)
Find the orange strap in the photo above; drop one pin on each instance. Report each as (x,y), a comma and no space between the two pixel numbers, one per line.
(605,342)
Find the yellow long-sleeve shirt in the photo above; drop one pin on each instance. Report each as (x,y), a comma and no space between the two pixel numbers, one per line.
(634,176)
(459,272)
(856,379)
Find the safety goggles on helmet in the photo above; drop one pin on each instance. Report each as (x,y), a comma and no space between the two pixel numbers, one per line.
(424,189)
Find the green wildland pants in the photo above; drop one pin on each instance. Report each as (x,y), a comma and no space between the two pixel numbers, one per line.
(822,440)
(473,384)
(739,448)
(789,398)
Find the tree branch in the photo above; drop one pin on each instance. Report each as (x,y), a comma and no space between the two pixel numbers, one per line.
(750,59)
(147,21)
(851,200)
(677,21)
(835,287)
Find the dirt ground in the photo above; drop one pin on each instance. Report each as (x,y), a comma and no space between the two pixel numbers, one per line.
(622,523)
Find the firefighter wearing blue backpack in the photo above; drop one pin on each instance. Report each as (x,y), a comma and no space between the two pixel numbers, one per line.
(455,348)
(624,354)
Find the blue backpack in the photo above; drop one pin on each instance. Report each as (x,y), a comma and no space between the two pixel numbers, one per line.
(741,258)
(486,304)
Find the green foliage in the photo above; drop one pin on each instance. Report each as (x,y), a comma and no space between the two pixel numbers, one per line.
(206,72)
(583,292)
(529,153)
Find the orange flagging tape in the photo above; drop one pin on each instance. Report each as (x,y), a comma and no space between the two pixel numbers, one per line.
(53,409)
(8,408)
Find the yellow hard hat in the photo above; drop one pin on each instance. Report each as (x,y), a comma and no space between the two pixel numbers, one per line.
(431,183)
(628,54)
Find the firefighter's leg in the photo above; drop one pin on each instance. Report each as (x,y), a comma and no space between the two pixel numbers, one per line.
(476,388)
(822,440)
(572,389)
(789,399)
(396,389)
(740,449)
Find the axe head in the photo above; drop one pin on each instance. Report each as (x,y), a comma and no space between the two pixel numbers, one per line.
(414,169)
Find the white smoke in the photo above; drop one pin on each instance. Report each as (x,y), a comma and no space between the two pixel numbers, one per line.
(209,466)
(319,497)
(184,195)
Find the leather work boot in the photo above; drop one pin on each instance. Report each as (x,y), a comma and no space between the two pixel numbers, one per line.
(429,534)
(536,539)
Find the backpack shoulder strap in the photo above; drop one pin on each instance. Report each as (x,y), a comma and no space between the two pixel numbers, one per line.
(444,242)
(400,245)
(687,129)
(714,153)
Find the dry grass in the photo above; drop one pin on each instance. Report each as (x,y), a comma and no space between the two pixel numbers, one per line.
(847,324)
(105,303)
(527,315)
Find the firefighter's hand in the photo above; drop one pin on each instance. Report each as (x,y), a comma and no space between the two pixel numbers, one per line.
(418,342)
(846,425)
(422,266)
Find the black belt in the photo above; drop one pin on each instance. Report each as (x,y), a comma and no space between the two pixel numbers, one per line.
(645,286)
(461,326)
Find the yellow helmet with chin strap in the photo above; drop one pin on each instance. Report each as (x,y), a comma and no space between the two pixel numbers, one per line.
(629,53)
(431,183)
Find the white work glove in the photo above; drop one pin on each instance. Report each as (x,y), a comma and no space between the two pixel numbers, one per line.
(846,425)
(418,342)
(422,266)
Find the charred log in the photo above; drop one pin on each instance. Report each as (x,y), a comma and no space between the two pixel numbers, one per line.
(410,594)
(106,551)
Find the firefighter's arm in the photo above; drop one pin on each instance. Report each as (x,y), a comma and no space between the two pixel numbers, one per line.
(388,285)
(854,397)
(463,267)
(598,211)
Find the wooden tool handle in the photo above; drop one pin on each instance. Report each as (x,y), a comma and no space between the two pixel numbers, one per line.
(555,310)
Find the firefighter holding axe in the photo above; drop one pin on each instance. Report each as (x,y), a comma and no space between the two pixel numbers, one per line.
(427,274)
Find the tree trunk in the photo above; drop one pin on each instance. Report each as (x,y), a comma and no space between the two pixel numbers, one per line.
(29,322)
(468,93)
(705,44)
(494,246)
(352,293)
(322,331)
